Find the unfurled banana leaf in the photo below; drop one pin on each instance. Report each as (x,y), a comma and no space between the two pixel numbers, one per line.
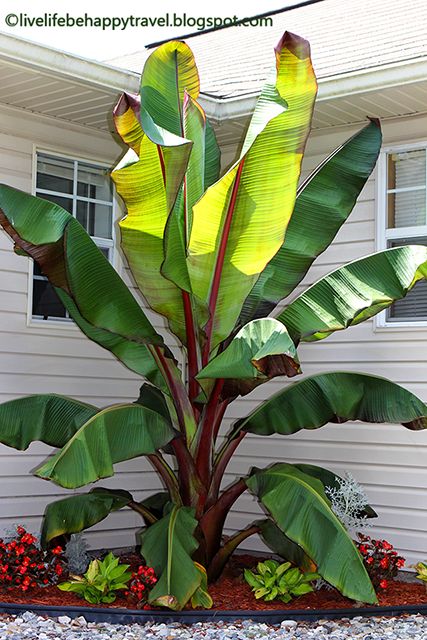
(261,350)
(169,72)
(167,546)
(80,512)
(92,290)
(100,443)
(49,418)
(142,187)
(298,505)
(354,293)
(282,545)
(177,232)
(240,222)
(127,120)
(335,397)
(324,202)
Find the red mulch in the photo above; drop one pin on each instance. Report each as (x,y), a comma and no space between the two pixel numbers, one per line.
(231,592)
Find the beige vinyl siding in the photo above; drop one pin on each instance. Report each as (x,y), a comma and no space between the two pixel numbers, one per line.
(51,357)
(389,460)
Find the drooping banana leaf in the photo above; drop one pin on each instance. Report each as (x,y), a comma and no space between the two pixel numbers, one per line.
(167,546)
(324,202)
(298,505)
(261,350)
(80,512)
(333,481)
(240,222)
(93,292)
(354,293)
(335,397)
(118,433)
(49,418)
(282,545)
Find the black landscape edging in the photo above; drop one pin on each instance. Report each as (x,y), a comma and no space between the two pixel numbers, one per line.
(127,616)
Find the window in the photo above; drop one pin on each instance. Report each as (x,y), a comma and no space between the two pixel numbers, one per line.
(85,191)
(404,221)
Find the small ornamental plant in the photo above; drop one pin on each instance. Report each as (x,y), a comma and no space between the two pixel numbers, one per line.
(274,581)
(381,560)
(23,565)
(421,569)
(101,580)
(142,580)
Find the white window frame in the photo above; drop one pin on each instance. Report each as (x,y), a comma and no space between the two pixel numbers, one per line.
(383,234)
(68,324)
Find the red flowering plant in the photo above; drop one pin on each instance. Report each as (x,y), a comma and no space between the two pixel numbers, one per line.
(143,579)
(24,565)
(381,560)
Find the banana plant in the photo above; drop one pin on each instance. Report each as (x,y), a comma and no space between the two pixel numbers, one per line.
(214,253)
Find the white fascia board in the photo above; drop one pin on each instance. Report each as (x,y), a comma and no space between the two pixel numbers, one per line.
(21,52)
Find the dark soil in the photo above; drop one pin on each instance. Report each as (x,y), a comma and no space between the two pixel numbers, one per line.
(231,592)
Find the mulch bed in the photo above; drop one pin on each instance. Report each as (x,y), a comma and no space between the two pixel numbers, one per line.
(232,593)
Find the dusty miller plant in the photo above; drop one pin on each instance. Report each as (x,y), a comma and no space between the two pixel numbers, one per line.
(348,502)
(76,554)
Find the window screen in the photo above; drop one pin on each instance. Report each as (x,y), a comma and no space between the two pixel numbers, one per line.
(406,222)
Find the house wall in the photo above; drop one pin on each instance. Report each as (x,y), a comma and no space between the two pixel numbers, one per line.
(389,460)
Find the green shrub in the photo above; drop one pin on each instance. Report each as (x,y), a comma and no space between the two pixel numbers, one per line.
(276,581)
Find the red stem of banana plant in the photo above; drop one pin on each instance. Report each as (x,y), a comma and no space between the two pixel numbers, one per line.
(206,436)
(188,309)
(223,458)
(220,263)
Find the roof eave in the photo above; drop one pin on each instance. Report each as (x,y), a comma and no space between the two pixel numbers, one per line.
(330,88)
(23,52)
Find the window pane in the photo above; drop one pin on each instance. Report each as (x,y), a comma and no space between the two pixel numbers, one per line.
(407,169)
(414,305)
(96,218)
(93,182)
(45,301)
(407,208)
(82,213)
(65,203)
(55,174)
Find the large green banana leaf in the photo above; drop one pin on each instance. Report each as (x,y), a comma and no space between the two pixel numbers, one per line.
(142,187)
(298,505)
(194,124)
(80,512)
(50,418)
(240,222)
(167,546)
(169,72)
(324,202)
(118,433)
(335,397)
(354,293)
(261,350)
(93,292)
(282,545)
(157,192)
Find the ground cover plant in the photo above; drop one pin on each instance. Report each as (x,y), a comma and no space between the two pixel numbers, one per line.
(214,254)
